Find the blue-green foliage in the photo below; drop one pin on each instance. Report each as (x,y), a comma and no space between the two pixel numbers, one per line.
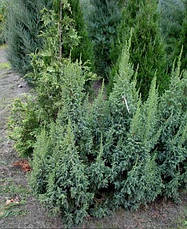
(172,145)
(121,151)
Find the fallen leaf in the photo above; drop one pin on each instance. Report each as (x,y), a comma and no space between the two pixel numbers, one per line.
(23,164)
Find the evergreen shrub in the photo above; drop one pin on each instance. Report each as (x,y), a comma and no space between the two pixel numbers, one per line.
(121,148)
(89,158)
(172,144)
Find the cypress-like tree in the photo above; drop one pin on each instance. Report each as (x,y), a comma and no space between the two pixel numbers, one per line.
(68,176)
(24,24)
(147,49)
(173,26)
(102,24)
(85,47)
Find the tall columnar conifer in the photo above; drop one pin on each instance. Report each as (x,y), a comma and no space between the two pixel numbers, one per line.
(85,48)
(147,49)
(174,29)
(102,22)
(24,25)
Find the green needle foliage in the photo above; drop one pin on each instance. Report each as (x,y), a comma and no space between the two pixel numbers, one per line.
(85,48)
(102,22)
(90,157)
(172,146)
(23,29)
(174,29)
(147,49)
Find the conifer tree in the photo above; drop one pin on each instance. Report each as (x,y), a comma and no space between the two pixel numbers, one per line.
(85,48)
(24,24)
(172,145)
(67,183)
(143,181)
(123,102)
(147,49)
(173,26)
(102,23)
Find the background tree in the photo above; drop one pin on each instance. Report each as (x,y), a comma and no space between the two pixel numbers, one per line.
(147,48)
(24,25)
(102,23)
(174,29)
(85,47)
(3,13)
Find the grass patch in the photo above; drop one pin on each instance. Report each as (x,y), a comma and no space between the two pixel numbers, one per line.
(5,65)
(12,190)
(9,187)
(11,210)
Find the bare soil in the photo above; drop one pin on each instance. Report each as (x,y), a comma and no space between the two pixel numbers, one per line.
(29,213)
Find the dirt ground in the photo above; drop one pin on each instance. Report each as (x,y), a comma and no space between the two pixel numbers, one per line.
(26,212)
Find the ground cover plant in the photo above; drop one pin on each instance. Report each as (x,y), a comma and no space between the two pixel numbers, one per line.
(89,158)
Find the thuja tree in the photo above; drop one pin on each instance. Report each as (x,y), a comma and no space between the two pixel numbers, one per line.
(147,49)
(24,24)
(173,20)
(102,23)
